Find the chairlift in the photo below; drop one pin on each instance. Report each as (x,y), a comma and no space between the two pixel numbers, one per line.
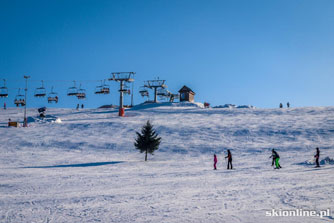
(162,92)
(19,99)
(106,89)
(72,91)
(3,90)
(81,94)
(40,92)
(53,96)
(102,89)
(172,97)
(143,92)
(125,90)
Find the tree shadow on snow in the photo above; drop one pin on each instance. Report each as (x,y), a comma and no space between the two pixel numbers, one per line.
(78,165)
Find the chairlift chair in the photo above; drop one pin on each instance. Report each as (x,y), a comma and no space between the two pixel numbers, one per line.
(106,89)
(172,97)
(53,96)
(162,92)
(102,89)
(125,90)
(40,92)
(81,94)
(143,92)
(3,90)
(19,99)
(72,91)
(98,90)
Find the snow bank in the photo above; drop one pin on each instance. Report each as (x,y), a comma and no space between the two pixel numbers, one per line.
(225,106)
(58,121)
(326,161)
(234,106)
(189,104)
(245,106)
(147,105)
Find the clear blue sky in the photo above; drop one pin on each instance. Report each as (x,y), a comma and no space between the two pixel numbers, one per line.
(228,51)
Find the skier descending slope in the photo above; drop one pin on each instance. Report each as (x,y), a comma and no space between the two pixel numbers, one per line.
(229,159)
(215,162)
(275,156)
(317,156)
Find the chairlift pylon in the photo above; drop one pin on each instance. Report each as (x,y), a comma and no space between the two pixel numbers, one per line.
(3,90)
(40,92)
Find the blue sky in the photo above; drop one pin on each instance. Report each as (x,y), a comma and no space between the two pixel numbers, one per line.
(256,52)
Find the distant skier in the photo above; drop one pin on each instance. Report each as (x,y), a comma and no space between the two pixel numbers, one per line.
(77,106)
(229,159)
(215,162)
(82,106)
(280,105)
(275,157)
(4,106)
(288,105)
(317,156)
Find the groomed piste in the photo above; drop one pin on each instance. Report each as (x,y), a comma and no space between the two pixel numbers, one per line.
(81,166)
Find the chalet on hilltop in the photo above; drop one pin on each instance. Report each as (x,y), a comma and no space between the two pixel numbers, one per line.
(186,94)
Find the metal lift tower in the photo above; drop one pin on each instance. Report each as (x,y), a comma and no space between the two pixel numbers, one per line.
(122,77)
(155,84)
(25,121)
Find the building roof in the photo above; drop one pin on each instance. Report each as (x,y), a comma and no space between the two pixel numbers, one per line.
(186,89)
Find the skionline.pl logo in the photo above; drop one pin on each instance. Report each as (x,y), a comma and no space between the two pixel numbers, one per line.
(298,213)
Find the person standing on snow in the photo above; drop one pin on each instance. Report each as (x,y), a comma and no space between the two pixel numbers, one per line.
(4,106)
(215,162)
(229,159)
(317,156)
(275,157)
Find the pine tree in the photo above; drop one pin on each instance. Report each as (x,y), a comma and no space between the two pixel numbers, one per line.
(147,141)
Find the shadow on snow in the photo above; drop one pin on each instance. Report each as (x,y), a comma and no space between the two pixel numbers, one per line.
(78,165)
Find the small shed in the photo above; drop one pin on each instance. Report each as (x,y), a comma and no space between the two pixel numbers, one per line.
(186,94)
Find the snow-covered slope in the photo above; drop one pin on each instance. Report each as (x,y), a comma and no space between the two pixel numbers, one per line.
(82,167)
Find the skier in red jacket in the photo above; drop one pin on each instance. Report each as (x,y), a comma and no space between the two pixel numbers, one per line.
(215,162)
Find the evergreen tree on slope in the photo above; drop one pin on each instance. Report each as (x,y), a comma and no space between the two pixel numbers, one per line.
(147,141)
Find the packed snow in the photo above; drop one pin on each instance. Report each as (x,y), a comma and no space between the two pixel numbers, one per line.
(81,166)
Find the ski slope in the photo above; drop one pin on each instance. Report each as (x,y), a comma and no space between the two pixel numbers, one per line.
(81,166)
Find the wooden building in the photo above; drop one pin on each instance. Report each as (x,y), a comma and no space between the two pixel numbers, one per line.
(186,94)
